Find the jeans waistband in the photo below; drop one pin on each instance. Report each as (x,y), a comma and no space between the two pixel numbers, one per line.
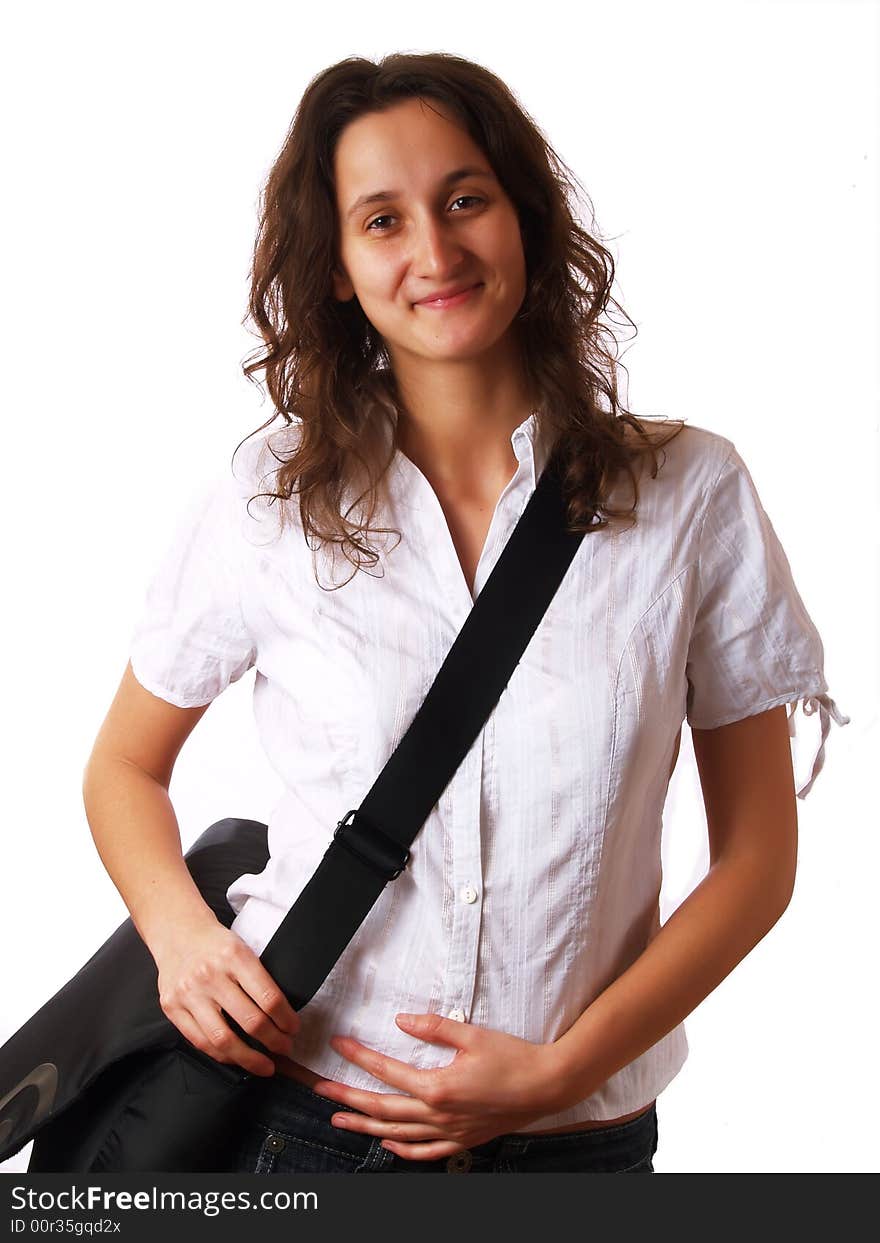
(276,1099)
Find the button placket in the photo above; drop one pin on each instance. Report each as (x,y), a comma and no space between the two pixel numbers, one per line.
(466,868)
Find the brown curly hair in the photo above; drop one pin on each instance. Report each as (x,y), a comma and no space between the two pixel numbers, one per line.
(326,366)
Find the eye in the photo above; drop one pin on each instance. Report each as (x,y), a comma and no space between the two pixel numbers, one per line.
(467,198)
(376,225)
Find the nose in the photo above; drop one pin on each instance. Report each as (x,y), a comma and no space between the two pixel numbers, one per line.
(435,251)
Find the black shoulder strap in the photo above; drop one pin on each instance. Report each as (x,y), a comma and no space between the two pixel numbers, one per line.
(371,844)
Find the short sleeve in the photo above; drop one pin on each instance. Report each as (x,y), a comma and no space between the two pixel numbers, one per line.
(753,646)
(190,640)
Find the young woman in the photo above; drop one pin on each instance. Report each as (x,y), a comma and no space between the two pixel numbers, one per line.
(432,317)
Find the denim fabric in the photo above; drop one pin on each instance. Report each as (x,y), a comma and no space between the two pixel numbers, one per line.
(289,1131)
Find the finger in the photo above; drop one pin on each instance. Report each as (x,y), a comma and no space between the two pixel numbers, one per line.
(219,1040)
(381,1066)
(438,1029)
(187,1025)
(250,1018)
(387,1105)
(398,1131)
(294,1070)
(256,981)
(423,1152)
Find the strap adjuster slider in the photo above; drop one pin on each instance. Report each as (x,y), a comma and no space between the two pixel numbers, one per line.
(368,843)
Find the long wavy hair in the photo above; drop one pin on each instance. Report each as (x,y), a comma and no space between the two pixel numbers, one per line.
(327,369)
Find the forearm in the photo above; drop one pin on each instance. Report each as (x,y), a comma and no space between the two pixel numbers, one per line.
(725,916)
(136,833)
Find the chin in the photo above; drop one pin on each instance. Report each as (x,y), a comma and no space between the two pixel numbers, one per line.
(463,346)
(450,354)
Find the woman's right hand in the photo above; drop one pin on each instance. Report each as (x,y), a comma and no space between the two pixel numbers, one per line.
(207,968)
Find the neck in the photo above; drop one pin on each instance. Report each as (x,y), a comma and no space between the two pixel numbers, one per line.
(458,417)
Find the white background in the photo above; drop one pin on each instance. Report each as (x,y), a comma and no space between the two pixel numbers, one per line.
(730,151)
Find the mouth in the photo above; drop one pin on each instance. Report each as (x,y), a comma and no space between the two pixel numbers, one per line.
(448,300)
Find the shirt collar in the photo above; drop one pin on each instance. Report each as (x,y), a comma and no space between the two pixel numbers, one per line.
(531,442)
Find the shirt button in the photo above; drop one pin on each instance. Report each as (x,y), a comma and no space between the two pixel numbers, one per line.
(467,893)
(459,1163)
(457,1014)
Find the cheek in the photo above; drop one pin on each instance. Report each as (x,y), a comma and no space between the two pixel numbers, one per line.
(510,255)
(515,269)
(377,277)
(360,262)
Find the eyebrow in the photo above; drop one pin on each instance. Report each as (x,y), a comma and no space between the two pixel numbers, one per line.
(383,196)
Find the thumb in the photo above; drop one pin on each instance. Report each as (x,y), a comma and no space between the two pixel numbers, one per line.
(435,1029)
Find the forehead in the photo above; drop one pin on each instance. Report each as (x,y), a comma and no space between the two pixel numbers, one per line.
(410,143)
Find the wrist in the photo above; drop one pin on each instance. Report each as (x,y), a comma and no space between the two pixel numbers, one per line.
(572,1076)
(176,925)
(562,1083)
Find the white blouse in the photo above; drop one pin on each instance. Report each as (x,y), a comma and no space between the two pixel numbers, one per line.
(535,880)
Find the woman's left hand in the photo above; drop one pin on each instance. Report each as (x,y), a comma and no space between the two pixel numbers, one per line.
(495,1083)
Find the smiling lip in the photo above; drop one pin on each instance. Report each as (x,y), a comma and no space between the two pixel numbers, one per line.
(451,298)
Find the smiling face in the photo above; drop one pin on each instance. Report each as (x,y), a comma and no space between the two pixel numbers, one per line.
(421,214)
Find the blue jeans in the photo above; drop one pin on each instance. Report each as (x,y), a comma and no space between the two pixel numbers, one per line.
(288,1131)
